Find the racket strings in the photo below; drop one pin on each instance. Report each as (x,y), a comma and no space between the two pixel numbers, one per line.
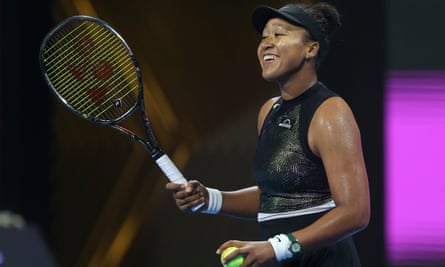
(63,50)
(95,82)
(105,46)
(59,42)
(102,80)
(115,82)
(70,55)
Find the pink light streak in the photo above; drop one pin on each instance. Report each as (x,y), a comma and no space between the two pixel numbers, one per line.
(415,167)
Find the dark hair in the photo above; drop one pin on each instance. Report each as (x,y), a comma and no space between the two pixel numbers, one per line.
(326,15)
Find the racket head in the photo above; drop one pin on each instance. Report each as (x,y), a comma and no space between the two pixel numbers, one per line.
(91,70)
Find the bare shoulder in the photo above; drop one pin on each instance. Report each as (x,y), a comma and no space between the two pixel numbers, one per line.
(333,125)
(265,108)
(334,109)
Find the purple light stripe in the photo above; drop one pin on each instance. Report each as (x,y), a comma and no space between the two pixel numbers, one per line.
(415,167)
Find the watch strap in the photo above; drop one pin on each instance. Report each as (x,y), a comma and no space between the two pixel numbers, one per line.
(295,245)
(291,237)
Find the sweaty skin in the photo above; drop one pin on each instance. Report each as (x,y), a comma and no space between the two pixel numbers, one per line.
(287,57)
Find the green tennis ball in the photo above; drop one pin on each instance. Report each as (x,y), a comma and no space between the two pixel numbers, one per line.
(235,262)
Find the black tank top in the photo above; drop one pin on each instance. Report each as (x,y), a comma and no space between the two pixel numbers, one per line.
(289,175)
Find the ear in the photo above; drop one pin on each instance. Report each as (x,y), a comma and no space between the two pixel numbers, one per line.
(312,50)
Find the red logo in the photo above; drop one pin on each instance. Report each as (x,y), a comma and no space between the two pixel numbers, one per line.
(95,72)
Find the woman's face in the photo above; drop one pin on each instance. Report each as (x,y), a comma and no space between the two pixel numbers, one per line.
(282,49)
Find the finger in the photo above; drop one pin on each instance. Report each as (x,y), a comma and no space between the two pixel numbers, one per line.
(248,262)
(228,254)
(189,200)
(195,206)
(186,204)
(174,186)
(230,243)
(192,186)
(188,194)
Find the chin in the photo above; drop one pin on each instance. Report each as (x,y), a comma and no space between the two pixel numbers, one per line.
(270,78)
(268,75)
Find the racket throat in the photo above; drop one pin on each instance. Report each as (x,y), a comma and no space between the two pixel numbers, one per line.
(156,153)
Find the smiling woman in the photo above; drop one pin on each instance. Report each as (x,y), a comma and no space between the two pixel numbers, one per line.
(282,49)
(312,190)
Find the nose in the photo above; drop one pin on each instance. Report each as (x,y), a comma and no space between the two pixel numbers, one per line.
(266,43)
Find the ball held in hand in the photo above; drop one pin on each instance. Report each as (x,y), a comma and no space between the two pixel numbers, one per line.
(235,262)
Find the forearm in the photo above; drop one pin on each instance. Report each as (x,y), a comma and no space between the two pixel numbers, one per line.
(242,203)
(337,224)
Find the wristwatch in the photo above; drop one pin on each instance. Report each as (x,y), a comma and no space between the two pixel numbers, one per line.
(295,246)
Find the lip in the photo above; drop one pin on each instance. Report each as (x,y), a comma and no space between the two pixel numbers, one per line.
(268,58)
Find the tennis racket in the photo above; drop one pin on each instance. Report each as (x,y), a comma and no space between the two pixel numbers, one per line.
(93,72)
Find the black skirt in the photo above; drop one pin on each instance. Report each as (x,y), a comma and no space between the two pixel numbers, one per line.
(341,254)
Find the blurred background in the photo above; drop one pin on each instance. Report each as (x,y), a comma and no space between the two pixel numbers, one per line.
(77,194)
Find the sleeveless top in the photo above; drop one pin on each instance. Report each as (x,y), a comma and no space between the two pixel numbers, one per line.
(289,175)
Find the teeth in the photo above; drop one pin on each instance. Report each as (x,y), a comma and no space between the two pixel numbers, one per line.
(269,57)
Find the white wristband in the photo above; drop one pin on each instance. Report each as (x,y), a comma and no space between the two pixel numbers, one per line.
(215,201)
(280,244)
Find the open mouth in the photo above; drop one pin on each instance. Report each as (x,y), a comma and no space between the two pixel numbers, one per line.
(269,58)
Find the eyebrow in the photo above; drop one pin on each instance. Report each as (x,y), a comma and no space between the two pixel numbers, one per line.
(284,25)
(279,24)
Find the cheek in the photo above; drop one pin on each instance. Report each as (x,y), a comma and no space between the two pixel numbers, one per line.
(258,53)
(291,47)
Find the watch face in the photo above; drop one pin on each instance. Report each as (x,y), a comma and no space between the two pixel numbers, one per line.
(295,247)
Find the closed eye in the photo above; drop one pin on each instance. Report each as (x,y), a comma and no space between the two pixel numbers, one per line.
(276,35)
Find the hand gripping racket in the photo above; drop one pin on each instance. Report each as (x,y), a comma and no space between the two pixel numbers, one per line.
(94,73)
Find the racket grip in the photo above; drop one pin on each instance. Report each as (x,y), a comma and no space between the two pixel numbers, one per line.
(173,174)
(170,170)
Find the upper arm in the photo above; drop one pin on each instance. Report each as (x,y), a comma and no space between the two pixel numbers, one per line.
(264,111)
(335,137)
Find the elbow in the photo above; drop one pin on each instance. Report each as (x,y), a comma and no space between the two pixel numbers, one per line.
(363,223)
(362,218)
(356,217)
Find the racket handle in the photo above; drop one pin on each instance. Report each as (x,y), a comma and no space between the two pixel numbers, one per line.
(173,174)
(170,170)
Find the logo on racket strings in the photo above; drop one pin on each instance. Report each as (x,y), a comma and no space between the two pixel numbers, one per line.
(94,73)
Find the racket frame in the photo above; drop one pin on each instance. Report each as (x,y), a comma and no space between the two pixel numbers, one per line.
(151,144)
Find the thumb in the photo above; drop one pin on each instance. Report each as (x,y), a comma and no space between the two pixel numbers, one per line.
(192,186)
(174,186)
